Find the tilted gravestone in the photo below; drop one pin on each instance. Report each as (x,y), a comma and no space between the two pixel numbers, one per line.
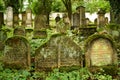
(59,51)
(100,51)
(17,53)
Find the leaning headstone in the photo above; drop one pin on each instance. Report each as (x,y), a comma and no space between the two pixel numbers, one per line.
(100,51)
(9,17)
(59,51)
(17,53)
(29,18)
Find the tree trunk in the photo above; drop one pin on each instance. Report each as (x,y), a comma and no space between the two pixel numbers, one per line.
(115,11)
(1,19)
(68,6)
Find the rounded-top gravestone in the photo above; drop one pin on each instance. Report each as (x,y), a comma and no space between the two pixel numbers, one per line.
(17,52)
(100,51)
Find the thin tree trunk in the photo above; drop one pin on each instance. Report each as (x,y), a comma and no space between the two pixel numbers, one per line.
(1,19)
(68,6)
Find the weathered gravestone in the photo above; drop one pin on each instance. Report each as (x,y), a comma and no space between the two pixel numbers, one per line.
(40,26)
(15,19)
(19,31)
(101,18)
(29,18)
(81,10)
(17,53)
(9,16)
(3,37)
(100,51)
(24,17)
(59,51)
(75,20)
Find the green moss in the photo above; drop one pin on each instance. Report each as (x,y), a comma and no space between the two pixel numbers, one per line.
(16,37)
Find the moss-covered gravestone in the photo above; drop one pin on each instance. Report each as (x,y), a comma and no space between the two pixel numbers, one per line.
(17,53)
(59,51)
(19,31)
(100,51)
(3,37)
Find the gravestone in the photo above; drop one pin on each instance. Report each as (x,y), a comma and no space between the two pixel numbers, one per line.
(40,26)
(3,37)
(66,22)
(40,22)
(106,20)
(15,19)
(101,18)
(9,17)
(23,18)
(29,18)
(19,31)
(87,21)
(95,21)
(59,51)
(81,11)
(100,51)
(29,33)
(17,53)
(75,20)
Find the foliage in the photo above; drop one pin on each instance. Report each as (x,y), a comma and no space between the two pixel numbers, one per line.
(1,5)
(36,43)
(77,3)
(16,4)
(12,74)
(82,73)
(94,5)
(58,6)
(41,6)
